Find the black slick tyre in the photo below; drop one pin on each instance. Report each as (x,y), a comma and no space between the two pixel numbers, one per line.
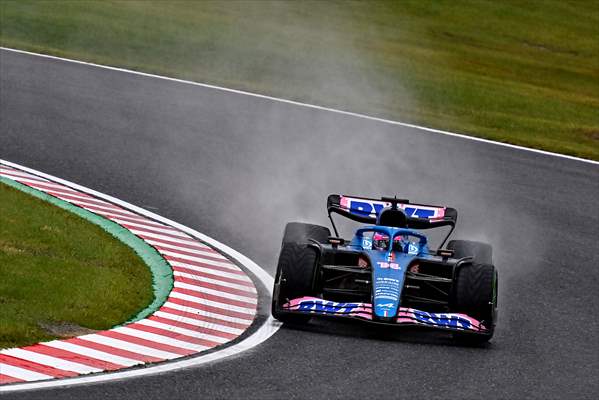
(294,278)
(475,294)
(482,253)
(298,232)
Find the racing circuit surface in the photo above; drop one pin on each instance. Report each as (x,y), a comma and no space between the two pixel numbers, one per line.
(237,167)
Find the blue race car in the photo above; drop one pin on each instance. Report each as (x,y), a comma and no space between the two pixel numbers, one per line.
(387,273)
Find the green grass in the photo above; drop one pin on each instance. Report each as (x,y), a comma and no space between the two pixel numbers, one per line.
(514,71)
(62,275)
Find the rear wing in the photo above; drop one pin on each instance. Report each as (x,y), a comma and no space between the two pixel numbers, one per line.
(366,210)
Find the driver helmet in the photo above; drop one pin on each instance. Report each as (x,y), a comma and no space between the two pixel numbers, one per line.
(380,241)
(399,243)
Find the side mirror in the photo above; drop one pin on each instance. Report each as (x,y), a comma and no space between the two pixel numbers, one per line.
(445,253)
(336,241)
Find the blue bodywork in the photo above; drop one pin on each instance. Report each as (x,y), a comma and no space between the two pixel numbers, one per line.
(389,266)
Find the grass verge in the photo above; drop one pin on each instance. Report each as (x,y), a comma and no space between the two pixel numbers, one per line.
(520,72)
(61,275)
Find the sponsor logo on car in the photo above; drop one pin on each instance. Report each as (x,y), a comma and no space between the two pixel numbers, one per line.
(326,306)
(444,320)
(365,207)
(452,321)
(385,265)
(386,289)
(412,249)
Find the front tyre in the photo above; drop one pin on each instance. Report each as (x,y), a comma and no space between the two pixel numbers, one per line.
(294,278)
(475,294)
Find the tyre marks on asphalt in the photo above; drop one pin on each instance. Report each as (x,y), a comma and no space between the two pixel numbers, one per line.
(212,303)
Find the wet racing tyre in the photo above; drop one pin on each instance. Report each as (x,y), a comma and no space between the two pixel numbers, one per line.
(294,278)
(298,232)
(475,294)
(481,252)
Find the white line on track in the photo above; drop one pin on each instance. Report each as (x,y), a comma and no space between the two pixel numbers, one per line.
(50,361)
(97,354)
(223,264)
(297,103)
(197,311)
(117,212)
(178,249)
(186,245)
(218,304)
(123,345)
(144,221)
(174,319)
(202,289)
(18,175)
(169,238)
(22,373)
(83,204)
(210,271)
(151,228)
(42,185)
(74,195)
(193,285)
(261,334)
(188,332)
(214,281)
(154,337)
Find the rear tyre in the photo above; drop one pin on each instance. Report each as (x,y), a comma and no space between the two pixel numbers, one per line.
(475,294)
(481,252)
(294,278)
(298,232)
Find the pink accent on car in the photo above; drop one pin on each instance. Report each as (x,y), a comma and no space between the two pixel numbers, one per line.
(407,316)
(344,202)
(439,212)
(442,320)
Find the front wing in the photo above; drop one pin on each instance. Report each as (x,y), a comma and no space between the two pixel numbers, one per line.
(405,316)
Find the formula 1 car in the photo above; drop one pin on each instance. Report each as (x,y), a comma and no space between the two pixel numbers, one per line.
(386,273)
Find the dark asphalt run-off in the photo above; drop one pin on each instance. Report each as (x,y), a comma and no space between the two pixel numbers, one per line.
(237,168)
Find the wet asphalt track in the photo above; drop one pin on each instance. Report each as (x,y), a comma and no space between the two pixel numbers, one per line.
(238,167)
